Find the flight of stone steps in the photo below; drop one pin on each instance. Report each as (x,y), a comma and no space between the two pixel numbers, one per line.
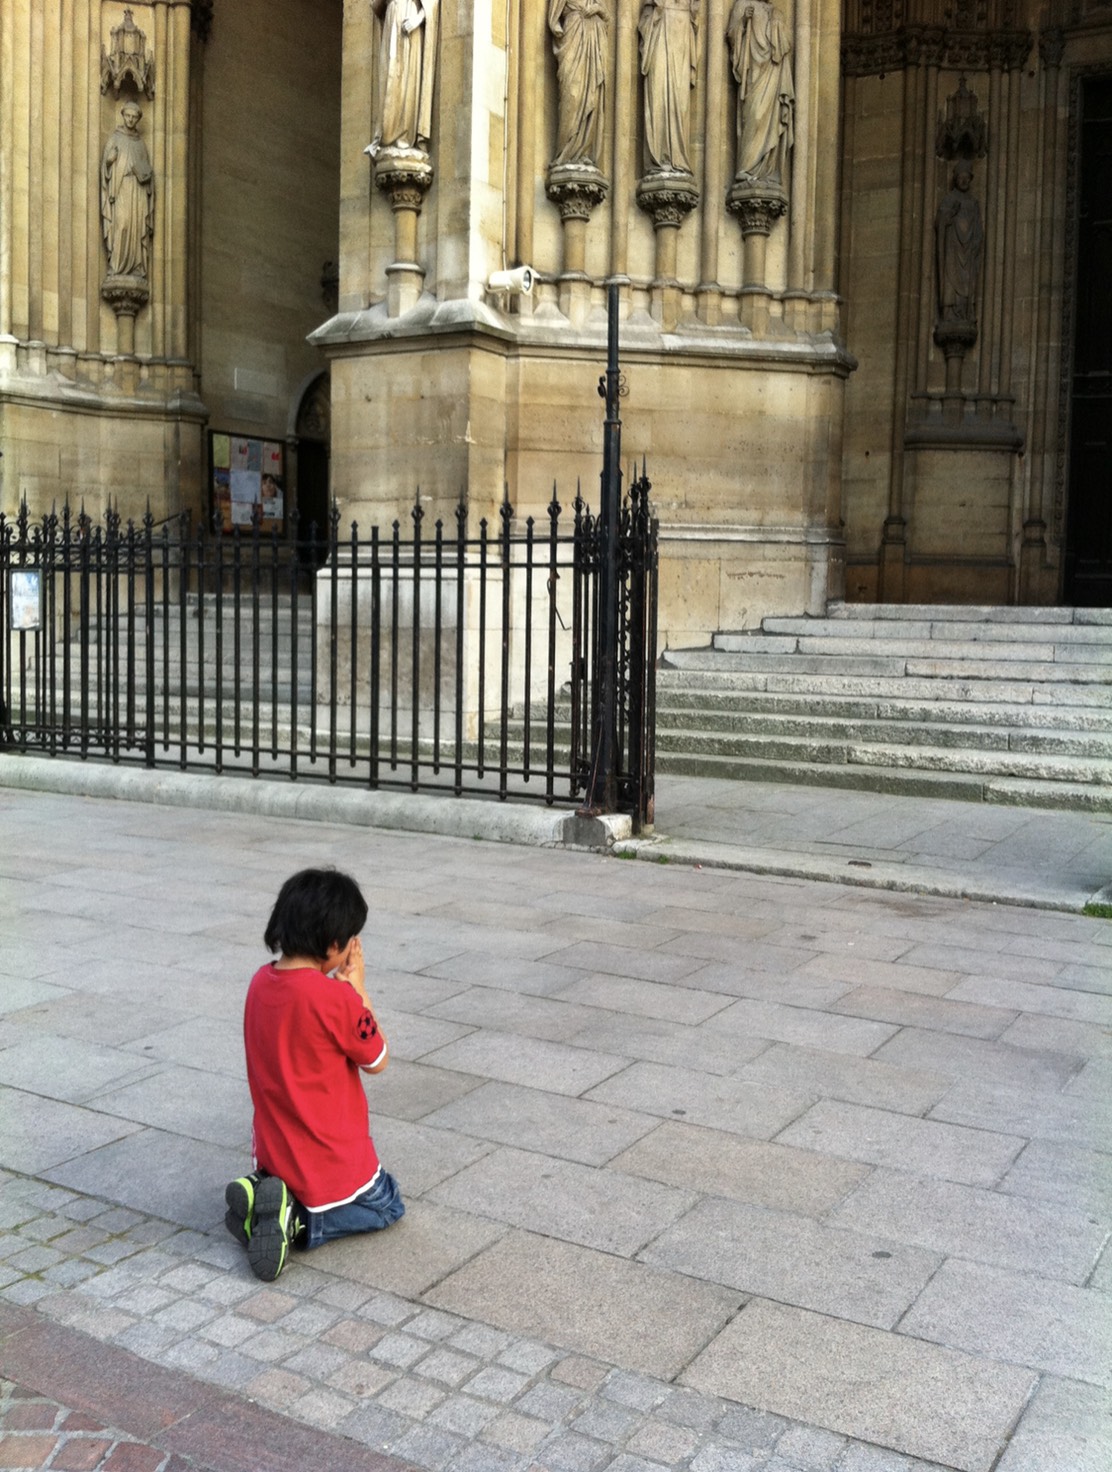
(1007,705)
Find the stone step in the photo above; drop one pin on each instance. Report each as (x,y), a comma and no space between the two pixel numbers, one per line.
(840,630)
(704,671)
(671,702)
(946,654)
(980,613)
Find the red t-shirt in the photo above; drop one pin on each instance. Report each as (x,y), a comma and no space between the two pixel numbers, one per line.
(306,1036)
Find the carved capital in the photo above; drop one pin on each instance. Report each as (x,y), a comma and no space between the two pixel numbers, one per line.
(126,295)
(757,209)
(403,175)
(1052,46)
(668,197)
(575,189)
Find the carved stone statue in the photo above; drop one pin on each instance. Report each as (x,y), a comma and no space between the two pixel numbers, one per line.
(407,71)
(959,243)
(127,198)
(760,45)
(669,51)
(579,32)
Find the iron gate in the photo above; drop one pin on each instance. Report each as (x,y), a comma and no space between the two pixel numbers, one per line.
(450,658)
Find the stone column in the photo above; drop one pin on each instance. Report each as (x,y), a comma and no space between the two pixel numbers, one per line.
(404,178)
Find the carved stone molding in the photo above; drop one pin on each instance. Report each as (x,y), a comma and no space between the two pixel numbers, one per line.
(404,176)
(757,210)
(126,295)
(575,189)
(912,46)
(668,197)
(127,60)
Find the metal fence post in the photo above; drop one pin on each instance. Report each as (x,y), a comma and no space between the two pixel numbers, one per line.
(602,795)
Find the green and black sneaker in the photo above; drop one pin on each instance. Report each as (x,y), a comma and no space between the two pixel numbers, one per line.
(240,1196)
(274,1226)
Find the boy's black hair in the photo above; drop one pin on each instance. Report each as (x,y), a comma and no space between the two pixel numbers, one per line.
(315,909)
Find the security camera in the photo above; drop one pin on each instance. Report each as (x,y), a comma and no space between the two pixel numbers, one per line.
(518,282)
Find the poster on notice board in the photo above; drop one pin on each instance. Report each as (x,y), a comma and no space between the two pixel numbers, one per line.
(248,481)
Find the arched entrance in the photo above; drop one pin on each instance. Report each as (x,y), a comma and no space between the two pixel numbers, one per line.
(1088,561)
(313,431)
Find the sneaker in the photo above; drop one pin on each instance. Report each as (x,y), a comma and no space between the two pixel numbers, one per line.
(240,1196)
(274,1226)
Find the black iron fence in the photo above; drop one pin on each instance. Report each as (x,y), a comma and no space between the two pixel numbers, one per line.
(448,658)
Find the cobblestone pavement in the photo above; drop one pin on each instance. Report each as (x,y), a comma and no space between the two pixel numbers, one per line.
(437,1390)
(706,1172)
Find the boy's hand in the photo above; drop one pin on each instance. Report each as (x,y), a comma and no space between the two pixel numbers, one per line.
(353,969)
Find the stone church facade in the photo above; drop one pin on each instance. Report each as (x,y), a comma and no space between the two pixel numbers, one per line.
(863,252)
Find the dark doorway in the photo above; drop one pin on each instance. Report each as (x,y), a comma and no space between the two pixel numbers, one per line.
(314,428)
(1088,561)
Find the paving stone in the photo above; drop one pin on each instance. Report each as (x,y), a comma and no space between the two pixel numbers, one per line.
(496,1383)
(425,1156)
(1037,1113)
(488,1458)
(913,1009)
(566,1452)
(754,1429)
(663,1442)
(516,1432)
(431,1324)
(978,1157)
(462,1415)
(430,1241)
(480,1340)
(963,1058)
(550,1402)
(447,1367)
(961,1221)
(606,1420)
(746,1170)
(805,1027)
(722,1457)
(521,1284)
(650,1040)
(857,1080)
(601,1209)
(1018,1317)
(531,1119)
(534,1017)
(811,1448)
(686,1004)
(409,1091)
(398,1350)
(411,1397)
(866,1383)
(792,1259)
(1023,996)
(756,1110)
(510,1059)
(576,1370)
(639,1392)
(1067,1424)
(428,1446)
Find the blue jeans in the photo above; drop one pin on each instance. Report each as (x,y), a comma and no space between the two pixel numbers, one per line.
(378,1206)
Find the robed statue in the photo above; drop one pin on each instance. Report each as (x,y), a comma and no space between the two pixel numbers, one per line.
(127,198)
(669,53)
(760,46)
(959,243)
(407,71)
(579,35)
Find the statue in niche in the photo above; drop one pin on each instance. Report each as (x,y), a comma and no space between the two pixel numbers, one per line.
(759,50)
(407,70)
(669,52)
(959,243)
(579,35)
(127,198)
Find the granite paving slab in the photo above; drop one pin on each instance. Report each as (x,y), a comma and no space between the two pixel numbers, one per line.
(1026,996)
(1057,1035)
(1067,1424)
(977,1157)
(1037,1113)
(983,1226)
(185,1101)
(912,1009)
(804,1026)
(38,1133)
(534,1017)
(645,998)
(603,1209)
(757,1110)
(69,1070)
(652,1041)
(420,1156)
(792,1259)
(586,1301)
(412,1090)
(512,1059)
(916,1398)
(429,1242)
(827,1075)
(180,1179)
(755,1171)
(1018,1318)
(570,1129)
(961,1058)
(1060,1172)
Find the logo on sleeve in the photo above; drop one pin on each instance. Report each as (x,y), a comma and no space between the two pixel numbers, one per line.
(365,1026)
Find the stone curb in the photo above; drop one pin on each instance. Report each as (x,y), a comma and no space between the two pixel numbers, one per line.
(898,878)
(449,816)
